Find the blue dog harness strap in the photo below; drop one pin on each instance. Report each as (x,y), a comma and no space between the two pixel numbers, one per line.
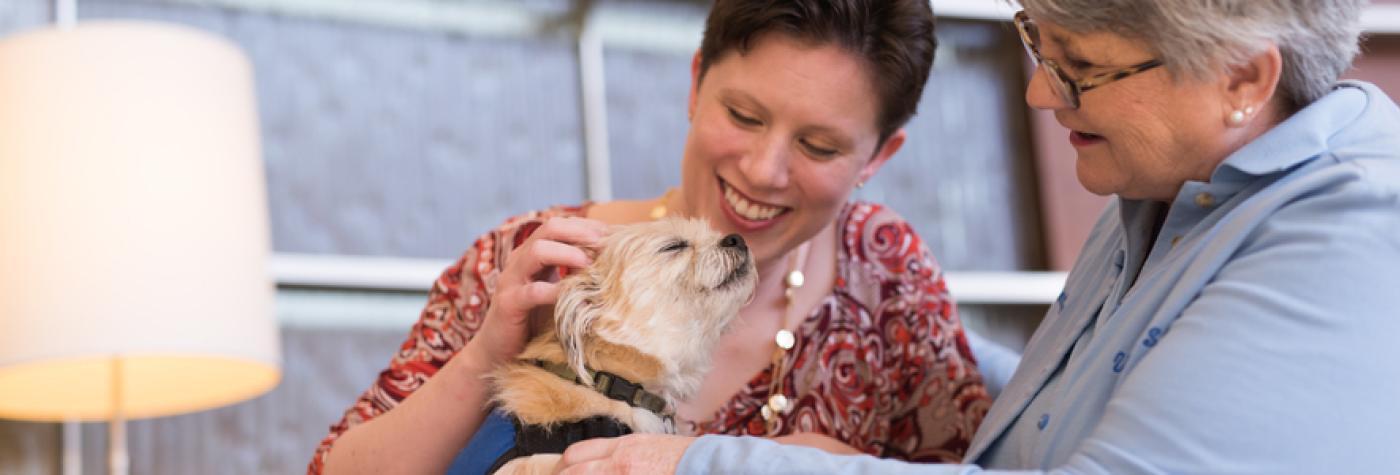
(534,439)
(502,438)
(494,438)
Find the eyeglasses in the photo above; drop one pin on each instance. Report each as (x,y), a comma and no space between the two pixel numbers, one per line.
(1068,88)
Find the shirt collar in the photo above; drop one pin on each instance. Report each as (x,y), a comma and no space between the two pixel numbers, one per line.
(1300,137)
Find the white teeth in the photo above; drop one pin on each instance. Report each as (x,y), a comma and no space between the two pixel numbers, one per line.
(748,209)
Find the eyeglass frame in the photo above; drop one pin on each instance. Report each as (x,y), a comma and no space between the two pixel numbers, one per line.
(1068,88)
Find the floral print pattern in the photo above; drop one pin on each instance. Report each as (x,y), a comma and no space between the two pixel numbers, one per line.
(881,364)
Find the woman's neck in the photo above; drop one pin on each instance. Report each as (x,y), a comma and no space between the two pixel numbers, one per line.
(813,263)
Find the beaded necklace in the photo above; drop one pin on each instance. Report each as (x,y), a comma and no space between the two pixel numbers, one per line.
(778,403)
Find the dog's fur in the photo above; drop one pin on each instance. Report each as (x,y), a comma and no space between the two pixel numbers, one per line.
(650,309)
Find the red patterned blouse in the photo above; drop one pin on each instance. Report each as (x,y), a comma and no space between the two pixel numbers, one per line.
(881,364)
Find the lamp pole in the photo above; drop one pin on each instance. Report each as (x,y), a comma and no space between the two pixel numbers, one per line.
(117,462)
(65,13)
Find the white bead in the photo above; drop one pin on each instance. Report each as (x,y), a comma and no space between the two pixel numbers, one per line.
(785,339)
(795,279)
(1237,117)
(778,402)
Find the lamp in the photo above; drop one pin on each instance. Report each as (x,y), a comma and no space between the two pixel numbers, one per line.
(133,227)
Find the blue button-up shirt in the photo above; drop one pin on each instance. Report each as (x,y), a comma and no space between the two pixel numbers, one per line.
(1258,332)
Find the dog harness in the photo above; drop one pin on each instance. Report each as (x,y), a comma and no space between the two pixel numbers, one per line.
(611,385)
(537,439)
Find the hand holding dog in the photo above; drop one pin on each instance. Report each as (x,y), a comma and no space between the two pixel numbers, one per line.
(631,454)
(655,453)
(524,284)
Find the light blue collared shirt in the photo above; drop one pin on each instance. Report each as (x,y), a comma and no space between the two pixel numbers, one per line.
(1258,333)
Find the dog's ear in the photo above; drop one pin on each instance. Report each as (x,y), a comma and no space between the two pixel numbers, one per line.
(579,306)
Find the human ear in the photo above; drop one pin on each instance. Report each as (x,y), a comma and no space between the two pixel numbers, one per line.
(694,85)
(1249,87)
(882,155)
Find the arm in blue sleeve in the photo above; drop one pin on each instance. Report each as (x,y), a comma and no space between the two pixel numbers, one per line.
(1285,363)
(996,362)
(725,454)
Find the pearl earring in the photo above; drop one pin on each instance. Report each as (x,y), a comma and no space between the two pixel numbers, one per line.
(1238,116)
(860,184)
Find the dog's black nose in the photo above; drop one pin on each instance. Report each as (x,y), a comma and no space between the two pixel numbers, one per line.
(734,240)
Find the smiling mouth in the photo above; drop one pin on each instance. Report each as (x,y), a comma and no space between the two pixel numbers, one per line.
(749,209)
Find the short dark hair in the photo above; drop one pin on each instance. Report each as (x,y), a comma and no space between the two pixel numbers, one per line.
(895,37)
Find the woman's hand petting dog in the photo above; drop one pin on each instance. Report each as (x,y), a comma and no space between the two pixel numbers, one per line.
(627,455)
(525,284)
(655,453)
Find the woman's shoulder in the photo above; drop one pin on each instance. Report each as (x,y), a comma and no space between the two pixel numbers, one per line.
(879,250)
(873,234)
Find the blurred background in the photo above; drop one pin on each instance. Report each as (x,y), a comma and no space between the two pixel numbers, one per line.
(396,131)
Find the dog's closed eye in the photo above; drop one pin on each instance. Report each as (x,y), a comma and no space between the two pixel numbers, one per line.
(675,246)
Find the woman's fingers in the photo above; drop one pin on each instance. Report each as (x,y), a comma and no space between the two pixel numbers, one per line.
(559,242)
(577,231)
(632,454)
(535,255)
(523,285)
(588,450)
(514,302)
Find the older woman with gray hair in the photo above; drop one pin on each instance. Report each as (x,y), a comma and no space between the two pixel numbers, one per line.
(1236,308)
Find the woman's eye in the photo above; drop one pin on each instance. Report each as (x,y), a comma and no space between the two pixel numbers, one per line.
(1078,64)
(818,151)
(743,119)
(675,246)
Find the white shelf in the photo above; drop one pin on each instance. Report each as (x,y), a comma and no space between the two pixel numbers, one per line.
(356,272)
(415,275)
(1381,19)
(997,10)
(618,26)
(1375,19)
(1005,288)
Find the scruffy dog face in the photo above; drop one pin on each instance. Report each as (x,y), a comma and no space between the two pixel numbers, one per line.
(665,288)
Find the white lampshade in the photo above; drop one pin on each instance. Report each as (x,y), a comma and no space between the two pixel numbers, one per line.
(133,224)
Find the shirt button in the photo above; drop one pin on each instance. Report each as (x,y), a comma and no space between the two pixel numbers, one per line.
(1176,240)
(1044,421)
(1205,200)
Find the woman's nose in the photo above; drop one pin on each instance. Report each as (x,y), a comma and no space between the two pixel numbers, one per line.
(1040,94)
(767,165)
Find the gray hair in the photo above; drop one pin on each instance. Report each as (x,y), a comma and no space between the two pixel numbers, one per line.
(1197,38)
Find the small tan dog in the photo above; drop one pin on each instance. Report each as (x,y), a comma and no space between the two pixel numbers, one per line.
(633,336)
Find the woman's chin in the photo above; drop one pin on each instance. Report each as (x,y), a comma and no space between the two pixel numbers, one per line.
(1095,182)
